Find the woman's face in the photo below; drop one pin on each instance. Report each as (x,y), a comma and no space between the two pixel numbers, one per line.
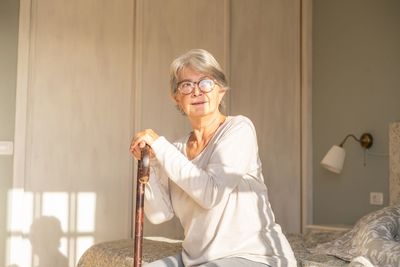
(198,103)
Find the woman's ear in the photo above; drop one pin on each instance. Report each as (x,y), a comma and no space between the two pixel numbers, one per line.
(176,100)
(174,97)
(222,93)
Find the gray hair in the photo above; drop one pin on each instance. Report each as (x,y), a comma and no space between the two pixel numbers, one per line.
(199,60)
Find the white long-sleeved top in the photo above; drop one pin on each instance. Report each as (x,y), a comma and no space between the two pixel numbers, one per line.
(219,197)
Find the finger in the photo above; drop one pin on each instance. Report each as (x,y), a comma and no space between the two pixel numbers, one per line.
(133,146)
(137,154)
(133,151)
(136,142)
(142,144)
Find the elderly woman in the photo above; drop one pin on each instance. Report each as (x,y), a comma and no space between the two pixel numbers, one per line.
(211,178)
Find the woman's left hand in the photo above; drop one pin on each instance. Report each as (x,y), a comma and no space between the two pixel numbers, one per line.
(146,137)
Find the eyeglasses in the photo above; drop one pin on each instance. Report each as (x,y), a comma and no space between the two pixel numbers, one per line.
(205,85)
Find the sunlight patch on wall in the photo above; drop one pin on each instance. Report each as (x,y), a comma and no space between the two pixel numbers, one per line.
(56,204)
(49,227)
(82,244)
(18,252)
(85,212)
(18,200)
(17,246)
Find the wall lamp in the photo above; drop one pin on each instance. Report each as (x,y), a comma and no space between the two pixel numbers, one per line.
(334,159)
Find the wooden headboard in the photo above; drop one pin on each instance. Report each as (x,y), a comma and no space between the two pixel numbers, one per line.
(394,163)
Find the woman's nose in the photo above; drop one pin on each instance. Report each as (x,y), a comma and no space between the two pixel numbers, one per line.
(196,90)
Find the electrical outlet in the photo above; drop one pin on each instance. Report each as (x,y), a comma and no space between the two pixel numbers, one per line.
(376,198)
(6,148)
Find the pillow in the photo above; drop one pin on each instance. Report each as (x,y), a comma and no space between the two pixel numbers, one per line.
(376,236)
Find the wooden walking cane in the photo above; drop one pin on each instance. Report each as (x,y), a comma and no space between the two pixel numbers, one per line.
(142,178)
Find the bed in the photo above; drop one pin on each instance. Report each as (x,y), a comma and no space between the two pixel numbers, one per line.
(120,253)
(376,237)
(373,241)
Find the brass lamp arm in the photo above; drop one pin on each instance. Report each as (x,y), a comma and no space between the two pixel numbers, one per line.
(365,140)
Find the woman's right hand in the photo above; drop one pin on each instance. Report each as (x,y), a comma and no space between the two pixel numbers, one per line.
(141,139)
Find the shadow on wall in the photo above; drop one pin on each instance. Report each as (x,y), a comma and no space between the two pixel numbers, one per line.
(48,229)
(45,237)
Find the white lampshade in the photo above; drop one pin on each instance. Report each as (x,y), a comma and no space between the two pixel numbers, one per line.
(334,159)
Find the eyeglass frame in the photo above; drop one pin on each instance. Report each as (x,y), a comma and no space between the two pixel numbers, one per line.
(196,84)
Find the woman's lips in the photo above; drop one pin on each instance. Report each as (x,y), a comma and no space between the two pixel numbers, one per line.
(199,103)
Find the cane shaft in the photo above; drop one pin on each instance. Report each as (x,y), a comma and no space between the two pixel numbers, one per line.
(142,178)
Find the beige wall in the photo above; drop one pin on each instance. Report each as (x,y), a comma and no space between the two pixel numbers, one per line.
(8,75)
(265,80)
(86,83)
(356,89)
(74,123)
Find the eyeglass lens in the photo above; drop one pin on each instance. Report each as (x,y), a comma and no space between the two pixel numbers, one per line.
(205,85)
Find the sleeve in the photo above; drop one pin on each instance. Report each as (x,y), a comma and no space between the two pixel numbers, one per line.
(232,157)
(157,201)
